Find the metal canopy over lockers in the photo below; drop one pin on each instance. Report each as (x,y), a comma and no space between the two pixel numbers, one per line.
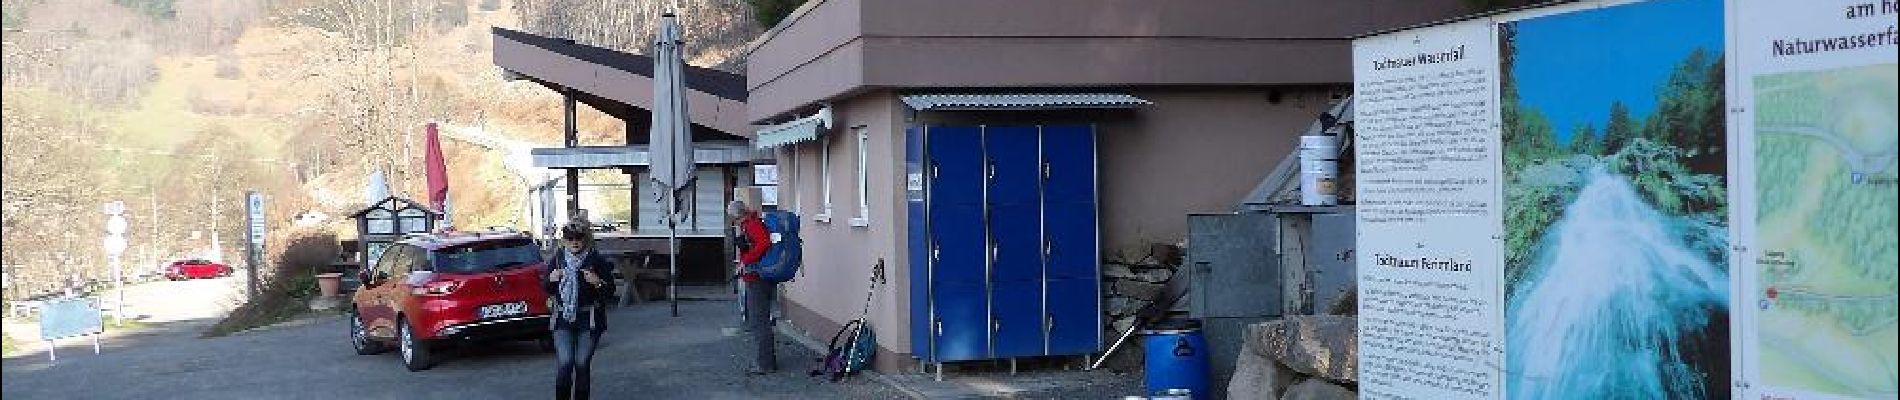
(1004,240)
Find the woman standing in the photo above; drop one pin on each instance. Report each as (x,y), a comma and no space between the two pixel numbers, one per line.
(579,281)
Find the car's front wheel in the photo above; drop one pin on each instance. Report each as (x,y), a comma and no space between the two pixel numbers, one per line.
(415,352)
(359,336)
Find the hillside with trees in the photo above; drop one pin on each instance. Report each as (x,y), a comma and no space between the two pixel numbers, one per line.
(178,107)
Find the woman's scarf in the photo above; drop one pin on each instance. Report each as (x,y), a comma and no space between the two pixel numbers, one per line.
(570,290)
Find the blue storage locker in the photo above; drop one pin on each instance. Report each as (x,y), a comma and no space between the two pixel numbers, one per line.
(955,165)
(1016,319)
(963,324)
(1074,318)
(1071,240)
(1068,153)
(1011,154)
(1004,244)
(1015,243)
(957,243)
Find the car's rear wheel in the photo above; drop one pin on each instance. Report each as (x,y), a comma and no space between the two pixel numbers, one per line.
(359,336)
(415,352)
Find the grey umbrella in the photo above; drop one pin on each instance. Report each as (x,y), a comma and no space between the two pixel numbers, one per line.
(671,141)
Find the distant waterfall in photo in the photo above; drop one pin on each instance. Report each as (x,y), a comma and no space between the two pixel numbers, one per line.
(1618,303)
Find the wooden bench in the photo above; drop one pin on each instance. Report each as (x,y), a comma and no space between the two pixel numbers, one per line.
(643,275)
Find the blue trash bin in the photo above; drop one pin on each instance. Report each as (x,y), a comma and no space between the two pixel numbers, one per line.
(1175,358)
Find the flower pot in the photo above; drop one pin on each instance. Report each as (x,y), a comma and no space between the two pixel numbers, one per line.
(329,283)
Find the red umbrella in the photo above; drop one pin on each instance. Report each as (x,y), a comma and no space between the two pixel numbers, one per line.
(438,172)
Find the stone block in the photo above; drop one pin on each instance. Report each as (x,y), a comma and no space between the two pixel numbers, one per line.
(1325,346)
(1318,389)
(1119,305)
(1257,376)
(1120,324)
(1118,271)
(1138,289)
(1154,275)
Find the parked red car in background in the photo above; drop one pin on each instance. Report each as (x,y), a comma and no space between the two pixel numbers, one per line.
(195,269)
(450,287)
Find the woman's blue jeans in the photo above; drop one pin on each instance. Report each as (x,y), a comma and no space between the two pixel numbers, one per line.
(574,353)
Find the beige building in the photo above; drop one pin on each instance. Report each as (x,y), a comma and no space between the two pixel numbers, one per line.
(1192,103)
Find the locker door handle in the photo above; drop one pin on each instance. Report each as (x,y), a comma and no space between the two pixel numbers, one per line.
(1045,170)
(938,326)
(934,252)
(989,170)
(1048,248)
(993,250)
(996,325)
(933,170)
(1049,322)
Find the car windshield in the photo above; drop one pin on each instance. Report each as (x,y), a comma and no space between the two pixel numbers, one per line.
(485,257)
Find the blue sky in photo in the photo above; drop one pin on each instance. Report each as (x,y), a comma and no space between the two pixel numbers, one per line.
(1572,66)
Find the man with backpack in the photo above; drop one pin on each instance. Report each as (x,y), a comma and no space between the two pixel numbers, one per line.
(754,241)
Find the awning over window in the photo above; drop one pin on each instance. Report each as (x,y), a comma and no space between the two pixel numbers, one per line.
(1021,101)
(637,155)
(798,130)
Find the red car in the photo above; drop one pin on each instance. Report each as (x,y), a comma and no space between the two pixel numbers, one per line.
(432,290)
(195,269)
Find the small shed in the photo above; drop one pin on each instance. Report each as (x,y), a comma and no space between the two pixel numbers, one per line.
(387,221)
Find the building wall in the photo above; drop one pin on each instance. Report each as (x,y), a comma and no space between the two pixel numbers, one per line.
(838,257)
(1193,150)
(836,49)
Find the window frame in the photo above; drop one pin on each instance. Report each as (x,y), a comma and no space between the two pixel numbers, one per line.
(863,177)
(824,181)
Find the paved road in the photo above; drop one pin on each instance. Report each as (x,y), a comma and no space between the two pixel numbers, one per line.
(647,354)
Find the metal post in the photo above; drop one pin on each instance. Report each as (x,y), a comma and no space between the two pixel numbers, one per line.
(118,311)
(570,131)
(673,251)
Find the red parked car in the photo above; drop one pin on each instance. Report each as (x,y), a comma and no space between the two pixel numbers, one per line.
(195,269)
(438,289)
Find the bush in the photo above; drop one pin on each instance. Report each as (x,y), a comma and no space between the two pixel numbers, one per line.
(287,288)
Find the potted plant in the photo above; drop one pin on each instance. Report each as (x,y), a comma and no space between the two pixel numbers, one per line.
(329,280)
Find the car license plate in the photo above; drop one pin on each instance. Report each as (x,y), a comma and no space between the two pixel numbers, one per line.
(503,310)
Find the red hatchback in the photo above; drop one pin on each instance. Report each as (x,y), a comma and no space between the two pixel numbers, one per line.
(430,290)
(195,269)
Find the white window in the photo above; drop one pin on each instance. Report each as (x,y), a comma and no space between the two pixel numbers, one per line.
(790,182)
(824,181)
(864,180)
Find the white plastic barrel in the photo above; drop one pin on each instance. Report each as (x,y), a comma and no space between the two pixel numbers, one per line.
(1319,170)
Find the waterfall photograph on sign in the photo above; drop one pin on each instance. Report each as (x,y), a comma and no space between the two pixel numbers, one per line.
(1616,232)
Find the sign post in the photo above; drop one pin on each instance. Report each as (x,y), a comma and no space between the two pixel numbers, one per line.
(115,245)
(254,249)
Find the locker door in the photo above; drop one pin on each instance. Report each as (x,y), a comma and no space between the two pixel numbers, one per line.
(1069,154)
(1074,317)
(962,326)
(1016,312)
(955,168)
(1071,240)
(1010,152)
(960,254)
(1015,241)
